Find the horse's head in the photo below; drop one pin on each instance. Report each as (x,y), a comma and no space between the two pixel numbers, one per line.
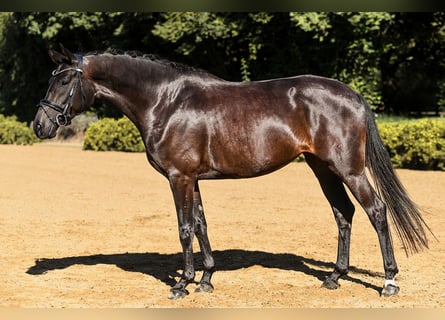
(69,93)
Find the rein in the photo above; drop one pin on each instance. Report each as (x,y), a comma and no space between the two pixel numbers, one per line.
(64,116)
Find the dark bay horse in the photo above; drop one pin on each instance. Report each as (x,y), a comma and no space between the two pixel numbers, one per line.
(197,126)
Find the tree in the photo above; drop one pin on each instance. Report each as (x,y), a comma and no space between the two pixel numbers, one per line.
(224,43)
(352,42)
(413,64)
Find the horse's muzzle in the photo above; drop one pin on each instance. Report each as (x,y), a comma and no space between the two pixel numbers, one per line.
(44,131)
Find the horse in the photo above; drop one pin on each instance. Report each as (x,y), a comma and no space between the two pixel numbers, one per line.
(197,126)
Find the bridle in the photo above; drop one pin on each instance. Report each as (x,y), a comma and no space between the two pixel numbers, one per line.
(64,116)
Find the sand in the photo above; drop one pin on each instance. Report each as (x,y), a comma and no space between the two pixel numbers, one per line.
(88,229)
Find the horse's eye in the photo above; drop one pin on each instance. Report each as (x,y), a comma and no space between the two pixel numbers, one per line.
(65,81)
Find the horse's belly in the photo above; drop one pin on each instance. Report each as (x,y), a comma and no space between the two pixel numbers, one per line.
(244,157)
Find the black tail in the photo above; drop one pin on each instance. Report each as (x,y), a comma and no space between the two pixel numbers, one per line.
(404,213)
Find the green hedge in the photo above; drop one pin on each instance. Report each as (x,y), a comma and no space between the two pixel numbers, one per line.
(415,144)
(113,135)
(15,132)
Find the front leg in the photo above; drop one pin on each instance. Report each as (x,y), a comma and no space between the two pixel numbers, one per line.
(182,188)
(201,233)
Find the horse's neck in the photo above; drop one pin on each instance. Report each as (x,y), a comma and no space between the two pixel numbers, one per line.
(127,83)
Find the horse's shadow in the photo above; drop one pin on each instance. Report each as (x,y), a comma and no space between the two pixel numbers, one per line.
(164,266)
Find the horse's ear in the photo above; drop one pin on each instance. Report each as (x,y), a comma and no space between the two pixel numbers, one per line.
(58,58)
(67,53)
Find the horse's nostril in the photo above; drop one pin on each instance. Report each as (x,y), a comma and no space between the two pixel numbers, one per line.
(38,129)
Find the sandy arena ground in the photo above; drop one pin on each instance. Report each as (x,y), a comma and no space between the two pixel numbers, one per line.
(89,229)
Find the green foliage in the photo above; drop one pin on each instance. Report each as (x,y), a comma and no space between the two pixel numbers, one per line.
(239,37)
(198,25)
(113,135)
(359,47)
(317,23)
(15,132)
(415,144)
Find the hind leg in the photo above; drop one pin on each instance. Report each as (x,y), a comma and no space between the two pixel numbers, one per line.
(343,210)
(376,211)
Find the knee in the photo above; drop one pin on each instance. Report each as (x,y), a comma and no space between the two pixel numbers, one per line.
(186,232)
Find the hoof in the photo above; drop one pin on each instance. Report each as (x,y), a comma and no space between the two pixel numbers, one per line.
(204,287)
(390,290)
(330,284)
(177,294)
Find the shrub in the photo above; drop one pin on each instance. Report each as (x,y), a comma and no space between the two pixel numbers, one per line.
(415,144)
(113,135)
(15,132)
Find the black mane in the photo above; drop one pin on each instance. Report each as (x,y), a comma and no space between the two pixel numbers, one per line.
(154,58)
